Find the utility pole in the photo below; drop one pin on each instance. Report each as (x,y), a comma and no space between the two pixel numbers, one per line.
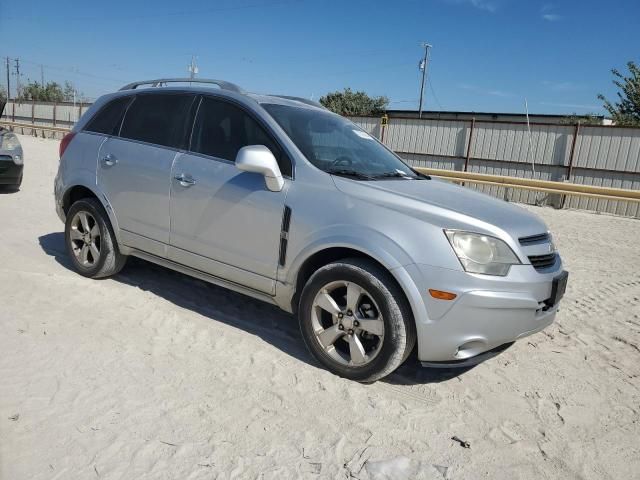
(192,68)
(423,67)
(17,68)
(8,81)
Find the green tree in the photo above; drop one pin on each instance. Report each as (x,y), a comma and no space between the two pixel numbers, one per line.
(69,92)
(349,102)
(627,110)
(3,95)
(50,92)
(587,119)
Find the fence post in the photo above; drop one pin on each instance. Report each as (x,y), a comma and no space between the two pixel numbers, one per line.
(384,120)
(573,151)
(572,154)
(466,160)
(468,156)
(34,132)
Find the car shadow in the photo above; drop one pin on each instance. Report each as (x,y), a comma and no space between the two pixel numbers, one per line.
(8,189)
(411,372)
(266,321)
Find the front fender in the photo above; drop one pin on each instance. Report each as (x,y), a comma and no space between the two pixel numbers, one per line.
(367,241)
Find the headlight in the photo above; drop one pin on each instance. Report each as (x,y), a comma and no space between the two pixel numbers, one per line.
(481,253)
(9,141)
(552,242)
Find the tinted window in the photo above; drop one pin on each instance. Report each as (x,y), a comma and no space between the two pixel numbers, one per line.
(159,119)
(108,119)
(221,129)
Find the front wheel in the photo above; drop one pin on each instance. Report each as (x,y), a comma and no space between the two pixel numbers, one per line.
(355,320)
(90,240)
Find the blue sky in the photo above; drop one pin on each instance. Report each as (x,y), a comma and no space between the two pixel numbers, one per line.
(488,55)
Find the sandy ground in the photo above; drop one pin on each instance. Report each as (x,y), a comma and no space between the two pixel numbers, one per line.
(155,375)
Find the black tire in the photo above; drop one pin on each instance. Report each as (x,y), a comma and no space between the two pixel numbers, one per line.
(110,261)
(399,327)
(15,187)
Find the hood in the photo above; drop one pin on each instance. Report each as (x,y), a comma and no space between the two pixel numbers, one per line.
(446,205)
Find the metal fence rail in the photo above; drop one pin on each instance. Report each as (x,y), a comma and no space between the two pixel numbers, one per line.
(33,128)
(564,188)
(601,156)
(58,116)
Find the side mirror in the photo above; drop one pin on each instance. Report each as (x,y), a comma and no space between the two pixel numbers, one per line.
(259,159)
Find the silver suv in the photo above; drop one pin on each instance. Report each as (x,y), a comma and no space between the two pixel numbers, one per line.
(279,199)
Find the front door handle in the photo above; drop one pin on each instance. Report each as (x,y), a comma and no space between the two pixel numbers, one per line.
(109,160)
(185,180)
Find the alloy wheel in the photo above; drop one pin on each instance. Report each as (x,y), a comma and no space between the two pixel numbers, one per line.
(85,239)
(347,323)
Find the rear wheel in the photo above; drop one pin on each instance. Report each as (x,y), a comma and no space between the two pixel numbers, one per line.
(90,240)
(355,320)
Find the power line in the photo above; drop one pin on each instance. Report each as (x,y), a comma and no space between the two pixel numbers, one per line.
(177,13)
(74,71)
(372,69)
(435,97)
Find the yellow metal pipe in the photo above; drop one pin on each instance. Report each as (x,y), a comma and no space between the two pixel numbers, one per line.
(35,127)
(546,190)
(531,184)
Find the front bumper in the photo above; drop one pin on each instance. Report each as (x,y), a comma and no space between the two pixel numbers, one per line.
(10,173)
(488,311)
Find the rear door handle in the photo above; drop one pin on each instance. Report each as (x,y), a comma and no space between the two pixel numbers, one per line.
(185,180)
(109,160)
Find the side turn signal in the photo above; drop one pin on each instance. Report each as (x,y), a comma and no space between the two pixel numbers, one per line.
(440,295)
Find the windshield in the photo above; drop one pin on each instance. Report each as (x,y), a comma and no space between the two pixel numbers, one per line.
(338,146)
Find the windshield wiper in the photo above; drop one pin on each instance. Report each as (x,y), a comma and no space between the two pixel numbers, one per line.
(395,174)
(423,176)
(399,174)
(346,172)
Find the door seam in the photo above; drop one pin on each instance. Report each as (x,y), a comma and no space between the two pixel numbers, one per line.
(173,163)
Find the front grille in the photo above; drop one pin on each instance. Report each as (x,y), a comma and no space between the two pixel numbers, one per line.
(540,262)
(534,239)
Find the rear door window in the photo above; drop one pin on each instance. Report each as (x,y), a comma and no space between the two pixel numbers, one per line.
(109,117)
(221,129)
(161,119)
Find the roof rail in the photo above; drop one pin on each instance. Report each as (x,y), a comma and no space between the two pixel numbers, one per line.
(159,81)
(306,101)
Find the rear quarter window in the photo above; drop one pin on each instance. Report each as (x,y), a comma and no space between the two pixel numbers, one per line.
(109,117)
(161,119)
